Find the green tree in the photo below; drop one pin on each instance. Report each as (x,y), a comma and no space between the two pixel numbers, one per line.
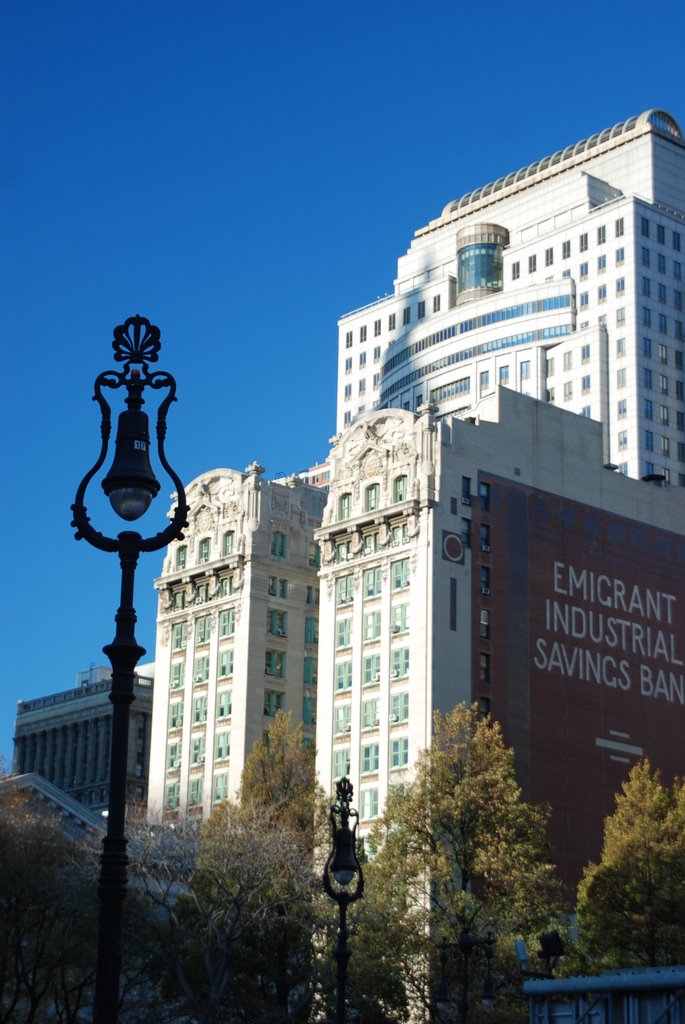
(458,849)
(631,906)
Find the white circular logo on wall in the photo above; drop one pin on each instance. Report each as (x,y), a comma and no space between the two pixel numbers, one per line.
(452,547)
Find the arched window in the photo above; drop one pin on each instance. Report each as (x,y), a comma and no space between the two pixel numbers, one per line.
(399,489)
(344,506)
(203,549)
(372,497)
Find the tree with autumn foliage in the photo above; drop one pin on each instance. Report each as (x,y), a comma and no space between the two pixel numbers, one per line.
(631,906)
(456,850)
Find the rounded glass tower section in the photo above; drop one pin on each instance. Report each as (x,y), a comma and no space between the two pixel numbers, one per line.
(479,260)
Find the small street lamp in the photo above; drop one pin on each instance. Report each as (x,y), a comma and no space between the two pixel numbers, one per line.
(130,486)
(446,1009)
(342,867)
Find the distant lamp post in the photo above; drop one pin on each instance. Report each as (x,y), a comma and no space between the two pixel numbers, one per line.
(342,867)
(130,486)
(446,1009)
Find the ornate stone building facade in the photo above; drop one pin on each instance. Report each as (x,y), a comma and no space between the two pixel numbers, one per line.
(237,632)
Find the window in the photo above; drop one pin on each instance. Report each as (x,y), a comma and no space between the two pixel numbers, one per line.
(661,292)
(341,762)
(348,365)
(681,451)
(199,710)
(549,366)
(585,354)
(515,271)
(309,673)
(399,489)
(583,271)
(274,663)
(399,707)
(344,506)
(400,618)
(421,310)
(649,440)
(622,439)
(660,234)
(372,542)
(678,359)
(362,359)
(565,250)
(311,635)
(227,622)
(362,387)
(647,408)
(195,791)
(376,353)
(391,322)
(485,537)
(646,377)
(532,264)
(370,713)
(525,369)
(664,446)
(620,346)
(343,718)
(647,348)
(583,242)
(661,263)
(178,669)
(222,745)
(372,582)
(584,300)
(179,600)
(399,752)
(362,333)
(204,549)
(620,285)
(568,391)
(202,629)
(620,256)
(348,339)
(344,590)
(343,632)
(602,293)
(484,573)
(621,378)
(372,625)
(436,303)
(181,557)
(179,636)
(663,384)
(372,498)
(343,551)
(176,714)
(369,804)
(644,256)
(466,532)
(406,315)
(678,299)
(376,328)
(484,668)
(277,622)
(369,758)
(549,257)
(343,675)
(172,756)
(622,408)
(484,624)
(676,241)
(601,235)
(400,574)
(663,353)
(646,316)
(273,702)
(663,415)
(644,227)
(619,227)
(503,375)
(679,390)
(601,264)
(228,543)
(484,495)
(279,544)
(172,795)
(400,662)
(220,792)
(372,669)
(585,384)
(662,324)
(225,663)
(485,380)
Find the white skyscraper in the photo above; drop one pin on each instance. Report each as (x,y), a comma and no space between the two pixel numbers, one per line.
(562,280)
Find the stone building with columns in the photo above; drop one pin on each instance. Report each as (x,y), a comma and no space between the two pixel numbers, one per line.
(237,633)
(65,737)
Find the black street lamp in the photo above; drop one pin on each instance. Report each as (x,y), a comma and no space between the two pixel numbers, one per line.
(341,869)
(130,485)
(466,944)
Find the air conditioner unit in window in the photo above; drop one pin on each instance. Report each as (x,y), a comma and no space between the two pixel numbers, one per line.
(199,678)
(397,629)
(485,590)
(376,721)
(175,683)
(281,632)
(201,759)
(396,674)
(465,499)
(377,677)
(177,763)
(347,727)
(394,718)
(184,644)
(485,547)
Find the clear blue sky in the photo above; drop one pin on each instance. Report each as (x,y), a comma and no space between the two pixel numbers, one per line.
(242,174)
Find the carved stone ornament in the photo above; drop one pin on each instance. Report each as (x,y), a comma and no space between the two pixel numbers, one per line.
(280,506)
(372,465)
(204,520)
(164,634)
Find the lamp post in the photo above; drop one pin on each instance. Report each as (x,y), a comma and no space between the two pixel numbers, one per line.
(130,485)
(446,1009)
(342,867)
